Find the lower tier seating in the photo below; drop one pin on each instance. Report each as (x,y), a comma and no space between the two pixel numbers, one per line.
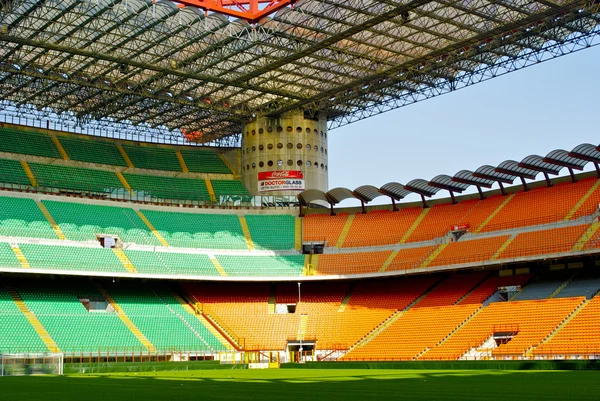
(16,333)
(147,262)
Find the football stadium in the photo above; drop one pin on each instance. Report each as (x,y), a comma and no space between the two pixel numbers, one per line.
(168,228)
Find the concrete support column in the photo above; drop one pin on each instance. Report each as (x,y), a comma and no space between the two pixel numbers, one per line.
(290,142)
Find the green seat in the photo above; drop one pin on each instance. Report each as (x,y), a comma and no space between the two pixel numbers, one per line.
(200,160)
(21,217)
(76,178)
(153,158)
(27,143)
(233,265)
(161,188)
(72,258)
(92,150)
(272,232)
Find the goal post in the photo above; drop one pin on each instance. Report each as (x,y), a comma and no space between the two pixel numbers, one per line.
(24,364)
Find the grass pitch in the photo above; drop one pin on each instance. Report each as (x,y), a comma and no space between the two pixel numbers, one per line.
(307,384)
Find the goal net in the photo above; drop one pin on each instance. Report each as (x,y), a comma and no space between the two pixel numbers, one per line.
(31,364)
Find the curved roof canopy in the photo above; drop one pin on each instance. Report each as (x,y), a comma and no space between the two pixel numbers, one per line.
(147,63)
(485,176)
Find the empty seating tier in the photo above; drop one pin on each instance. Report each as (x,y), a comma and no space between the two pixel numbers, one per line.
(410,258)
(200,160)
(230,190)
(323,228)
(352,263)
(415,332)
(162,320)
(539,206)
(380,227)
(75,178)
(490,286)
(191,230)
(147,262)
(441,218)
(542,242)
(7,256)
(16,333)
(71,258)
(451,290)
(477,250)
(262,265)
(272,232)
(83,222)
(92,150)
(157,188)
(578,337)
(517,326)
(153,158)
(11,172)
(21,217)
(60,308)
(27,143)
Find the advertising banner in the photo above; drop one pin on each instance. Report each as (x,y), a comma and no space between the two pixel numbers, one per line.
(282,180)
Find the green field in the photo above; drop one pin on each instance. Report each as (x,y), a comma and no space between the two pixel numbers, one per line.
(308,384)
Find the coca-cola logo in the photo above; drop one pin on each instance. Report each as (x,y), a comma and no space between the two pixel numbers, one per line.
(282,173)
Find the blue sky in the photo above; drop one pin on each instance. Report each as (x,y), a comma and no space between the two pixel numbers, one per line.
(532,111)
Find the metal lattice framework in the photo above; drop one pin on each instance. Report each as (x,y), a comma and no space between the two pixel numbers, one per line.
(136,62)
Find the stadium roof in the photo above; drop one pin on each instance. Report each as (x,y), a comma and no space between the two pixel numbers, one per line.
(171,67)
(485,176)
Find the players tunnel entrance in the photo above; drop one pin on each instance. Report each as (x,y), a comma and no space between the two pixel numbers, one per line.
(296,355)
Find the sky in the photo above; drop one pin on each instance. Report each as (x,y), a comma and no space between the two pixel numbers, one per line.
(544,107)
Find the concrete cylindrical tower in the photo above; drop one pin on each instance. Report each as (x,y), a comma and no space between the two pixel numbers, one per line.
(290,142)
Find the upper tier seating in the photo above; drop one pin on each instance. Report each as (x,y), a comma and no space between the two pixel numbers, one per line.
(75,178)
(70,324)
(540,205)
(162,320)
(230,189)
(159,187)
(490,286)
(11,172)
(27,143)
(415,332)
(555,240)
(323,228)
(532,321)
(16,333)
(410,258)
(83,222)
(579,336)
(147,262)
(200,160)
(190,230)
(440,218)
(262,265)
(451,290)
(352,263)
(21,217)
(380,227)
(153,158)
(71,258)
(477,250)
(92,151)
(272,232)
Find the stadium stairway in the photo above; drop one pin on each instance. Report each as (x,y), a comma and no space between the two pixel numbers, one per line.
(217,265)
(246,231)
(210,189)
(125,319)
(582,200)
(151,228)
(557,329)
(585,237)
(125,156)
(433,254)
(59,147)
(494,213)
(33,320)
(504,246)
(198,315)
(29,173)
(345,231)
(124,260)
(414,225)
(19,254)
(184,166)
(51,220)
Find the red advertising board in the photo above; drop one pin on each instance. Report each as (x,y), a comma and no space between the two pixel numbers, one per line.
(281,180)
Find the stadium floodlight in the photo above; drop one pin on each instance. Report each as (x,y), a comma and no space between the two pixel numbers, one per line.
(24,364)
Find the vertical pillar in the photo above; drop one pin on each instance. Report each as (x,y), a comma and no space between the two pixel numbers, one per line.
(290,142)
